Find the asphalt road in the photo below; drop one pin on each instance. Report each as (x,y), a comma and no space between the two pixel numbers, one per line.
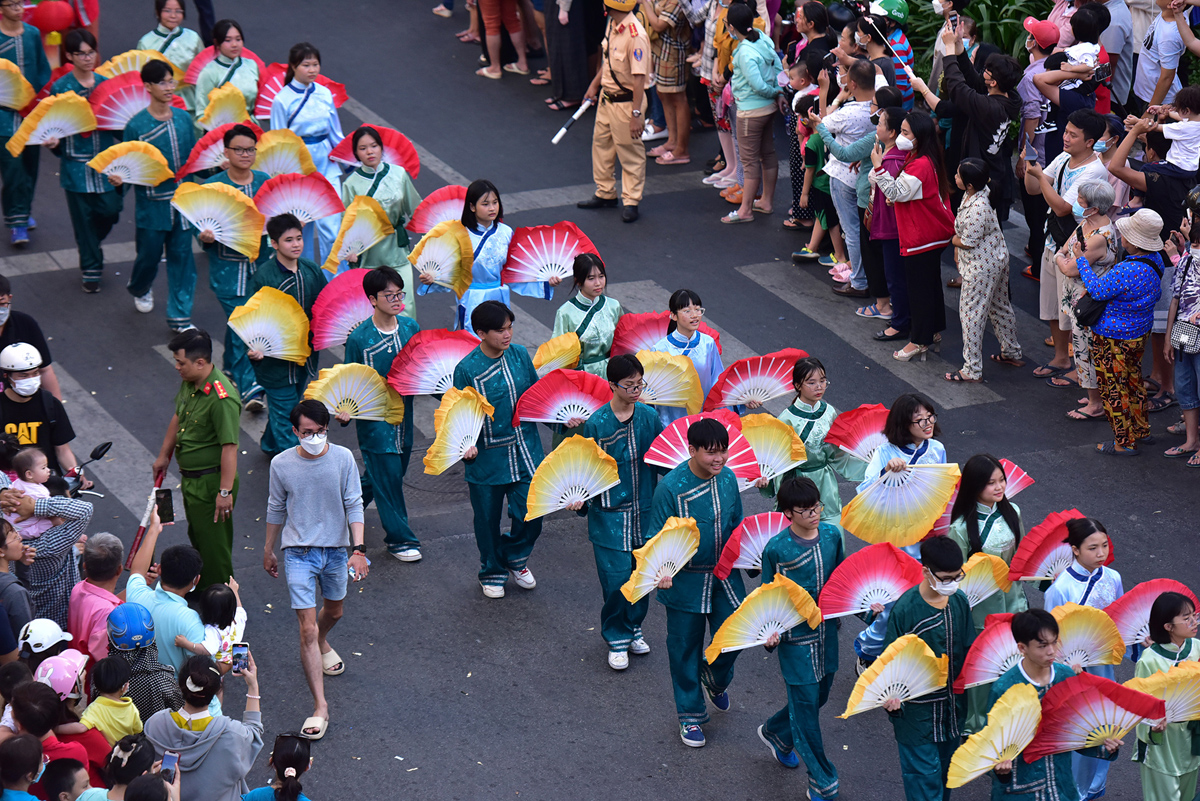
(451,696)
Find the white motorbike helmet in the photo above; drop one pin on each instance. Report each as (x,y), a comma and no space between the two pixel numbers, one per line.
(19,357)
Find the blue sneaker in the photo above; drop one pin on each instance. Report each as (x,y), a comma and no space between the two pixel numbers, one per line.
(20,235)
(691,736)
(804,254)
(827,261)
(32,224)
(789,759)
(719,700)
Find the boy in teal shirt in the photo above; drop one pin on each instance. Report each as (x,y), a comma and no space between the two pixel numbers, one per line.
(20,43)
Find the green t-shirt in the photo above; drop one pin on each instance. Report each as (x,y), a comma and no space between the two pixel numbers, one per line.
(814,156)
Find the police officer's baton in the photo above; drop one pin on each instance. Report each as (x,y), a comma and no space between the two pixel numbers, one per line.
(583,107)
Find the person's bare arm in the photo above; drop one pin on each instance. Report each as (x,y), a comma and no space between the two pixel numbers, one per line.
(50,381)
(1118,166)
(1165,79)
(142,559)
(1185,33)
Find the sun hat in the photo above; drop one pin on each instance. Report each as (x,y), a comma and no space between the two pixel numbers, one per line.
(1143,230)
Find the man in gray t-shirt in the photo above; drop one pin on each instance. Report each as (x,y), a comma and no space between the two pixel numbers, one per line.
(1118,40)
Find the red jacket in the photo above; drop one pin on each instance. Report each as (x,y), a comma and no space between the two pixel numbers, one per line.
(924,219)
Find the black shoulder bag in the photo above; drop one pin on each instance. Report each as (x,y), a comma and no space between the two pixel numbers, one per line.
(1088,310)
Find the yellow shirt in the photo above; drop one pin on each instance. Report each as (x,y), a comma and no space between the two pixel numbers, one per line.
(627,54)
(114,719)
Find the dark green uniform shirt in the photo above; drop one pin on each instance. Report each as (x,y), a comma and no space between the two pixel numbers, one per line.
(27,53)
(228,270)
(208,420)
(175,139)
(303,285)
(78,149)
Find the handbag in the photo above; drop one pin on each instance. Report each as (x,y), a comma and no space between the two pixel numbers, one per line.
(1185,335)
(1088,310)
(1060,228)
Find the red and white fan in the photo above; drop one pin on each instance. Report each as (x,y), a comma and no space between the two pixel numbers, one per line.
(340,306)
(1016,479)
(309,197)
(1043,552)
(877,574)
(205,57)
(561,396)
(438,206)
(859,431)
(541,252)
(116,100)
(758,378)
(745,547)
(209,152)
(270,81)
(636,332)
(1131,612)
(397,150)
(942,527)
(1085,710)
(670,448)
(993,653)
(425,365)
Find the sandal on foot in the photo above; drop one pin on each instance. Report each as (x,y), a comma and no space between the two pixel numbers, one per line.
(318,726)
(1079,414)
(959,378)
(1028,273)
(332,664)
(561,105)
(1177,428)
(515,70)
(1050,372)
(760,209)
(1110,449)
(1160,402)
(483,73)
(1060,382)
(1194,461)
(872,312)
(1000,358)
(792,224)
(540,81)
(732,218)
(1178,451)
(669,157)
(1151,384)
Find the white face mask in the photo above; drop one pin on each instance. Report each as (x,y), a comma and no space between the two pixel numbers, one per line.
(904,143)
(4,312)
(943,587)
(938,8)
(314,444)
(863,41)
(843,80)
(27,386)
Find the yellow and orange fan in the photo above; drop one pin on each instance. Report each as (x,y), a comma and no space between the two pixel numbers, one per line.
(1131,612)
(15,92)
(1085,710)
(282,152)
(359,391)
(1087,637)
(670,381)
(457,423)
(56,117)
(445,255)
(1179,688)
(133,61)
(364,225)
(986,575)
(1012,724)
(774,608)
(906,669)
(665,554)
(776,446)
(137,163)
(758,378)
(557,353)
(273,323)
(226,104)
(993,654)
(231,216)
(901,508)
(576,471)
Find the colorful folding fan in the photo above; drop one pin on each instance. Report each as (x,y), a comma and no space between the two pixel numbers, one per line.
(425,365)
(744,547)
(56,117)
(638,332)
(1179,688)
(560,396)
(15,91)
(1087,637)
(901,508)
(942,527)
(1131,612)
(340,306)
(665,554)
(906,669)
(445,253)
(132,61)
(205,57)
(993,653)
(877,574)
(273,323)
(670,448)
(438,206)
(282,152)
(577,470)
(117,100)
(557,353)
(226,104)
(859,431)
(47,89)
(776,445)
(1015,478)
(758,378)
(457,423)
(986,575)
(1012,724)
(271,80)
(209,152)
(396,150)
(1043,552)
(137,163)
(1085,710)
(542,252)
(230,215)
(670,381)
(364,224)
(358,390)
(308,197)
(774,608)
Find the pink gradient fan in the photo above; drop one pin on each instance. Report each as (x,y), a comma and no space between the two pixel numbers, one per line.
(670,448)
(879,573)
(757,378)
(205,56)
(561,396)
(1085,710)
(396,150)
(942,527)
(270,81)
(636,332)
(438,206)
(540,252)
(1131,612)
(859,431)
(1016,479)
(116,100)
(209,152)
(744,548)
(310,197)
(992,654)
(1043,554)
(339,307)
(425,365)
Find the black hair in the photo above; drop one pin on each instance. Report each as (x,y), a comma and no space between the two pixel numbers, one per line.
(297,56)
(1090,122)
(873,28)
(797,493)
(110,674)
(798,65)
(25,459)
(1157,141)
(475,192)
(862,72)
(217,606)
(1006,71)
(147,787)
(803,104)
(680,300)
(803,368)
(360,132)
(155,71)
(1028,626)
(59,777)
(12,675)
(624,366)
(291,752)
(929,145)
(893,117)
(974,172)
(379,279)
(1186,99)
(57,486)
(900,417)
(1086,27)
(1167,607)
(976,474)
(220,32)
(10,445)
(236,130)
(159,5)
(941,555)
(312,409)
(194,342)
(77,38)
(20,757)
(5,285)
(1080,528)
(817,14)
(491,315)
(35,707)
(582,267)
(708,434)
(280,224)
(199,672)
(179,566)
(131,756)
(887,97)
(741,19)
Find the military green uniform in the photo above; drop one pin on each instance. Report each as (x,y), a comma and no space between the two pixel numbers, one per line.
(208,420)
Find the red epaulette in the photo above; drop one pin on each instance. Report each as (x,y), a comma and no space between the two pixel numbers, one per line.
(221,391)
(207,388)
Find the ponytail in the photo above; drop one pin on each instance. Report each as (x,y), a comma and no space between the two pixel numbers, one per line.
(296,56)
(290,758)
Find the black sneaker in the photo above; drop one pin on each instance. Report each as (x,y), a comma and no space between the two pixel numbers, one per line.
(91,287)
(597,202)
(861,665)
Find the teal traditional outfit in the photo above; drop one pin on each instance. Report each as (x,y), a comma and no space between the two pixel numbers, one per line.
(998,540)
(618,518)
(229,276)
(159,226)
(808,657)
(19,173)
(594,322)
(394,190)
(93,203)
(929,729)
(180,45)
(505,463)
(284,382)
(385,448)
(1170,759)
(698,598)
(241,72)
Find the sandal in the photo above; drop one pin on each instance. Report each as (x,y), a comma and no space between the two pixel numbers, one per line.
(1060,382)
(1160,402)
(760,209)
(668,157)
(732,218)
(1110,449)
(332,664)
(515,70)
(1151,384)
(483,73)
(959,378)
(1194,461)
(1028,273)
(1079,414)
(657,151)
(470,38)
(561,105)
(872,312)
(540,81)
(319,726)
(1050,372)
(1177,428)
(1178,451)
(792,224)
(1000,358)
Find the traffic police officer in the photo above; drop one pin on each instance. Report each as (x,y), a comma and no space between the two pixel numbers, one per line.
(203,435)
(620,84)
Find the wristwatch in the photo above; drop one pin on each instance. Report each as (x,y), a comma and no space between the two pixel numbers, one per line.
(361,548)
(637,112)
(224,493)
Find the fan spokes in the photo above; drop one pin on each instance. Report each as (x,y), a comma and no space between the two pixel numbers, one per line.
(348,405)
(669,568)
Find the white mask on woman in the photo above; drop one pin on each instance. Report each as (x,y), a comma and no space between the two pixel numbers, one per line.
(904,143)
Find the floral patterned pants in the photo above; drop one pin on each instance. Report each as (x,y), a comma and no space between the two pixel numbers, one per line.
(1118,365)
(984,299)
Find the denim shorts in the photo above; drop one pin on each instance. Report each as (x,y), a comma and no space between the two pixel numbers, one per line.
(304,568)
(1187,375)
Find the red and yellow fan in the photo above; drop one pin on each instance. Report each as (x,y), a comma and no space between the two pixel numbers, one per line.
(209,152)
(117,100)
(1043,552)
(670,381)
(557,353)
(1087,637)
(308,197)
(942,527)
(340,306)
(137,163)
(1086,710)
(446,255)
(1131,612)
(231,216)
(273,323)
(1016,479)
(457,422)
(986,575)
(282,152)
(425,365)
(774,608)
(396,150)
(542,252)
(1179,689)
(665,554)
(48,89)
(906,669)
(439,206)
(364,225)
(759,378)
(56,117)
(132,61)
(877,574)
(15,91)
(744,548)
(859,431)
(205,57)
(576,471)
(226,105)
(271,80)
(638,332)
(1011,726)
(560,396)
(993,654)
(776,446)
(670,448)
(359,391)
(901,508)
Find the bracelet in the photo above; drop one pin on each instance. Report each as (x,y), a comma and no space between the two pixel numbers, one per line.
(255,697)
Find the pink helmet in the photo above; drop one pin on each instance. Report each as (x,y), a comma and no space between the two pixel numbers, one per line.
(62,673)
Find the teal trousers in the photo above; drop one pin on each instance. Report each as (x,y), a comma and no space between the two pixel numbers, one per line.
(690,674)
(277,436)
(93,215)
(620,621)
(500,552)
(181,270)
(923,768)
(19,176)
(234,362)
(798,727)
(383,482)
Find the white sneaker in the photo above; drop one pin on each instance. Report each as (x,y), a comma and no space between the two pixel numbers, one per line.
(407,555)
(649,135)
(618,660)
(145,304)
(639,646)
(524,579)
(492,590)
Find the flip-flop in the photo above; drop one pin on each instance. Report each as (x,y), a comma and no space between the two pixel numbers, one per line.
(1077,414)
(1028,273)
(670,158)
(1194,461)
(1160,402)
(328,660)
(761,210)
(657,151)
(958,378)
(1000,358)
(1059,382)
(483,73)
(1179,452)
(314,722)
(872,312)
(515,70)
(732,218)
(559,105)
(1110,449)
(1050,372)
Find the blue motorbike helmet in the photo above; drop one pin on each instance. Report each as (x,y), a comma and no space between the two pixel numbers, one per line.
(130,626)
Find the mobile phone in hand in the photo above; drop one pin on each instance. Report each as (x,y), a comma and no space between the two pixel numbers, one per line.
(166,505)
(953,19)
(1031,153)
(241,657)
(170,763)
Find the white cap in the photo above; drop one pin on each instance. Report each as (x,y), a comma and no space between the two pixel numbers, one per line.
(19,357)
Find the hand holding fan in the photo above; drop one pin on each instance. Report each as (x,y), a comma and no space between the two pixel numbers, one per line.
(744,548)
(1131,612)
(1087,636)
(577,470)
(986,575)
(1043,552)
(340,306)
(562,351)
(1012,724)
(670,448)
(209,152)
(1015,479)
(906,669)
(560,396)
(543,252)
(1179,688)
(359,391)
(282,152)
(993,654)
(439,206)
(56,117)
(272,323)
(364,225)
(670,381)
(445,254)
(230,215)
(15,91)
(457,423)
(396,150)
(638,332)
(665,554)
(226,104)
(308,197)
(901,508)
(859,431)
(759,379)
(774,608)
(206,56)
(137,163)
(271,80)
(1086,710)
(777,448)
(425,365)
(877,574)
(132,61)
